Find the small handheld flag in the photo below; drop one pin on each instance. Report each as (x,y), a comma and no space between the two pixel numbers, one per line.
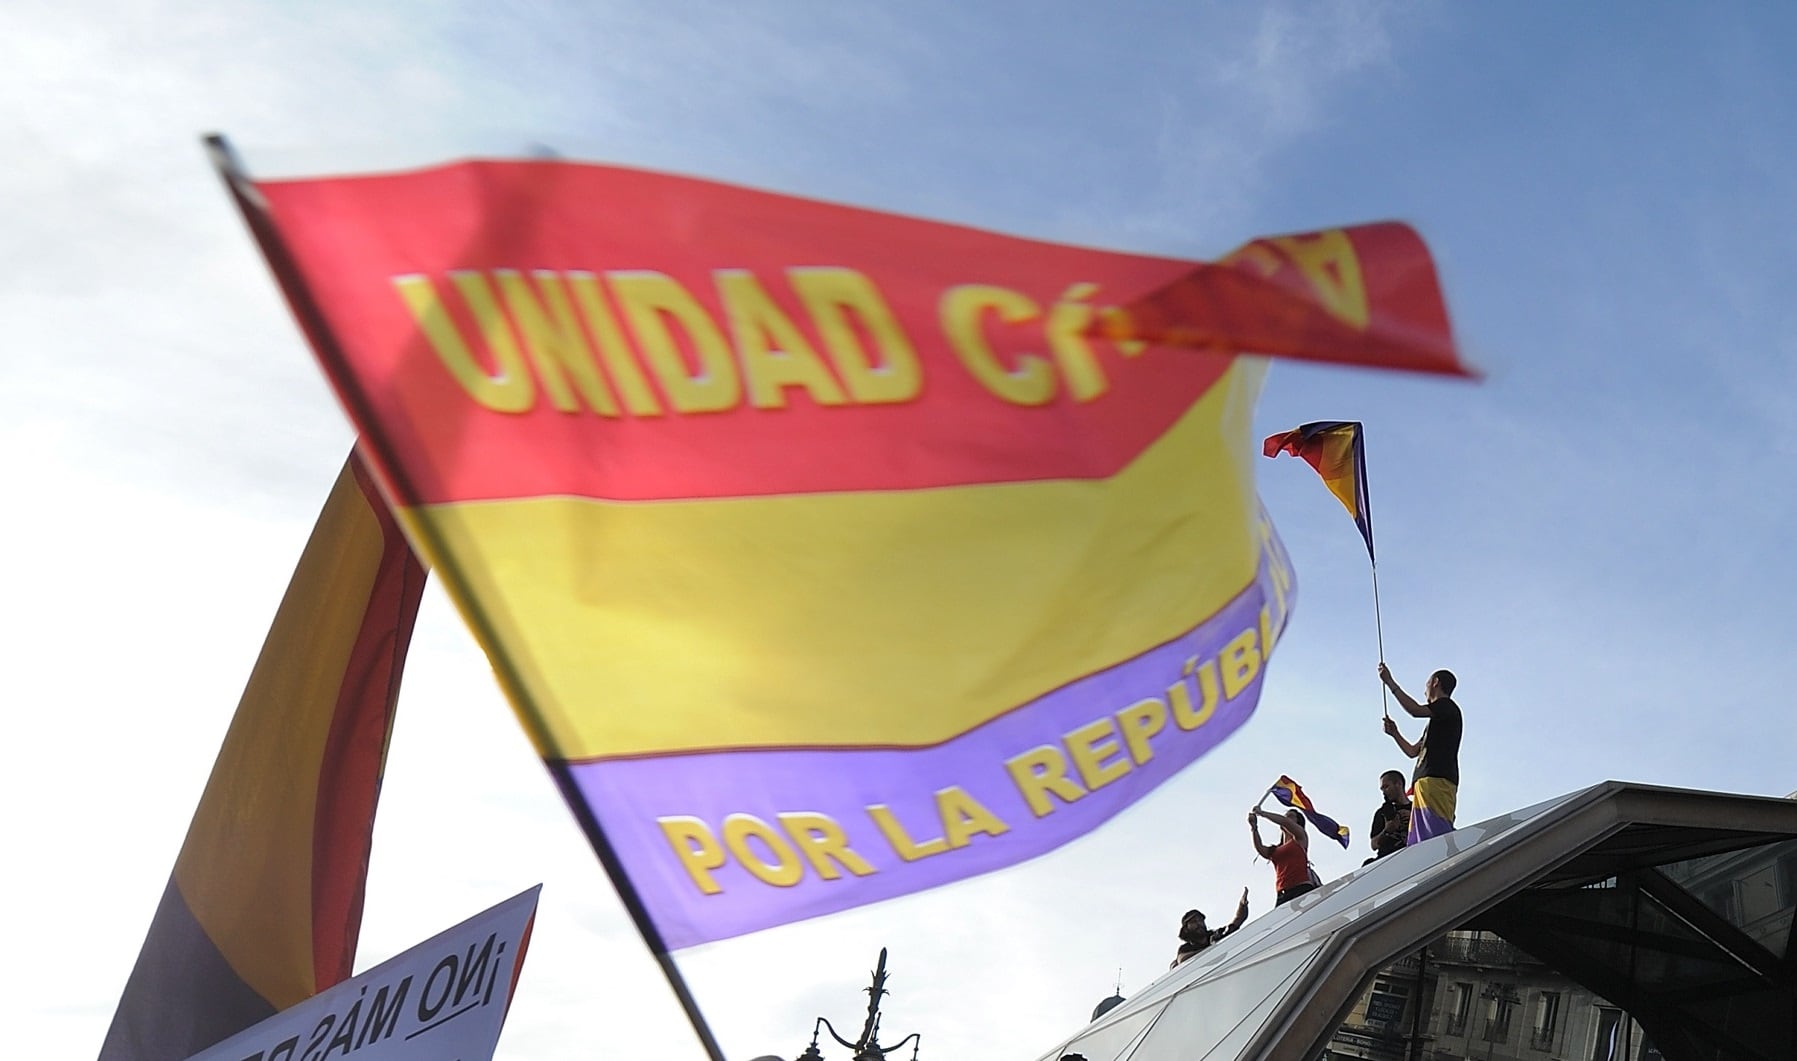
(1290,793)
(1336,450)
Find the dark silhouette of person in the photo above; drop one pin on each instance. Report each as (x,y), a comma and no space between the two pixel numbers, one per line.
(1391,822)
(1195,935)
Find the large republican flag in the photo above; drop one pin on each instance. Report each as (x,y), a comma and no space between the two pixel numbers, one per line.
(264,906)
(826,555)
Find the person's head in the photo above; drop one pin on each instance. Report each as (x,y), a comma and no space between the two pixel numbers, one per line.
(1391,785)
(1192,926)
(1296,817)
(1441,684)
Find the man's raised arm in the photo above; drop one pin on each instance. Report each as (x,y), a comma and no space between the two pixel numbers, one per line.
(1412,750)
(1405,700)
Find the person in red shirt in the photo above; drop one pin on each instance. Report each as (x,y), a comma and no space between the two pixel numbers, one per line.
(1290,856)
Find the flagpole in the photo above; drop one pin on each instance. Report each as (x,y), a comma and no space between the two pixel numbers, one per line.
(1379,629)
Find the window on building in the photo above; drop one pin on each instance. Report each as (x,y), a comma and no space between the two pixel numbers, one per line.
(1758,894)
(1460,1003)
(1787,878)
(1497,1016)
(1547,1020)
(1607,1046)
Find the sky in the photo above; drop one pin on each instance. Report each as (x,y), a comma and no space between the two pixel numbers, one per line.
(1594,537)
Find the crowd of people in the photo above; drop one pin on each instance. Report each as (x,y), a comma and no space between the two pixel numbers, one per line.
(1405,817)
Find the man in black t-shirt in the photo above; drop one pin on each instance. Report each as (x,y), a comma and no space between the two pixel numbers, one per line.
(1435,786)
(1391,822)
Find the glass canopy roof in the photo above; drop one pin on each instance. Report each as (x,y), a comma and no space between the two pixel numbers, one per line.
(1676,904)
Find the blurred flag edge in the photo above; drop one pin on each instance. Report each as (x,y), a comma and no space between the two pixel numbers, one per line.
(264,906)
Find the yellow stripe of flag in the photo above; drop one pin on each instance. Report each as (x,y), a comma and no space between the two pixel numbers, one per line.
(246,867)
(644,628)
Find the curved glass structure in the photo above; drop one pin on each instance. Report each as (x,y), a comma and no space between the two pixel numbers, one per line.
(1622,921)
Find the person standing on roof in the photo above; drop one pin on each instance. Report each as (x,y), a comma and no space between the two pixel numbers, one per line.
(1196,936)
(1290,856)
(1391,822)
(1435,785)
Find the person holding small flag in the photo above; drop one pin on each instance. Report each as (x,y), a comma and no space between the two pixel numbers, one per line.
(1292,872)
(1290,856)
(1435,784)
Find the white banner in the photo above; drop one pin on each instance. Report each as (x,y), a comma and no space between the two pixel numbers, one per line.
(445,998)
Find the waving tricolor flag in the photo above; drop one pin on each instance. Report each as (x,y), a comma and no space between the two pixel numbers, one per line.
(826,555)
(1290,793)
(1335,448)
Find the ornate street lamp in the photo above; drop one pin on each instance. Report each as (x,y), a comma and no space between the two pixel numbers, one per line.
(867,1047)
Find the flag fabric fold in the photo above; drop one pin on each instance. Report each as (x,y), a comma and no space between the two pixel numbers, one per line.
(1290,793)
(826,555)
(264,906)
(1364,295)
(1337,450)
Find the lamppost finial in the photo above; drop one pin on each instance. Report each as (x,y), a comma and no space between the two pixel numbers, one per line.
(867,1046)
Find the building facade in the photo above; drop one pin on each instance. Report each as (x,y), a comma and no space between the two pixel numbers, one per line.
(1471,996)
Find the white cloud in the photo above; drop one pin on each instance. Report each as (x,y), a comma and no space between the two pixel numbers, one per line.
(1245,96)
